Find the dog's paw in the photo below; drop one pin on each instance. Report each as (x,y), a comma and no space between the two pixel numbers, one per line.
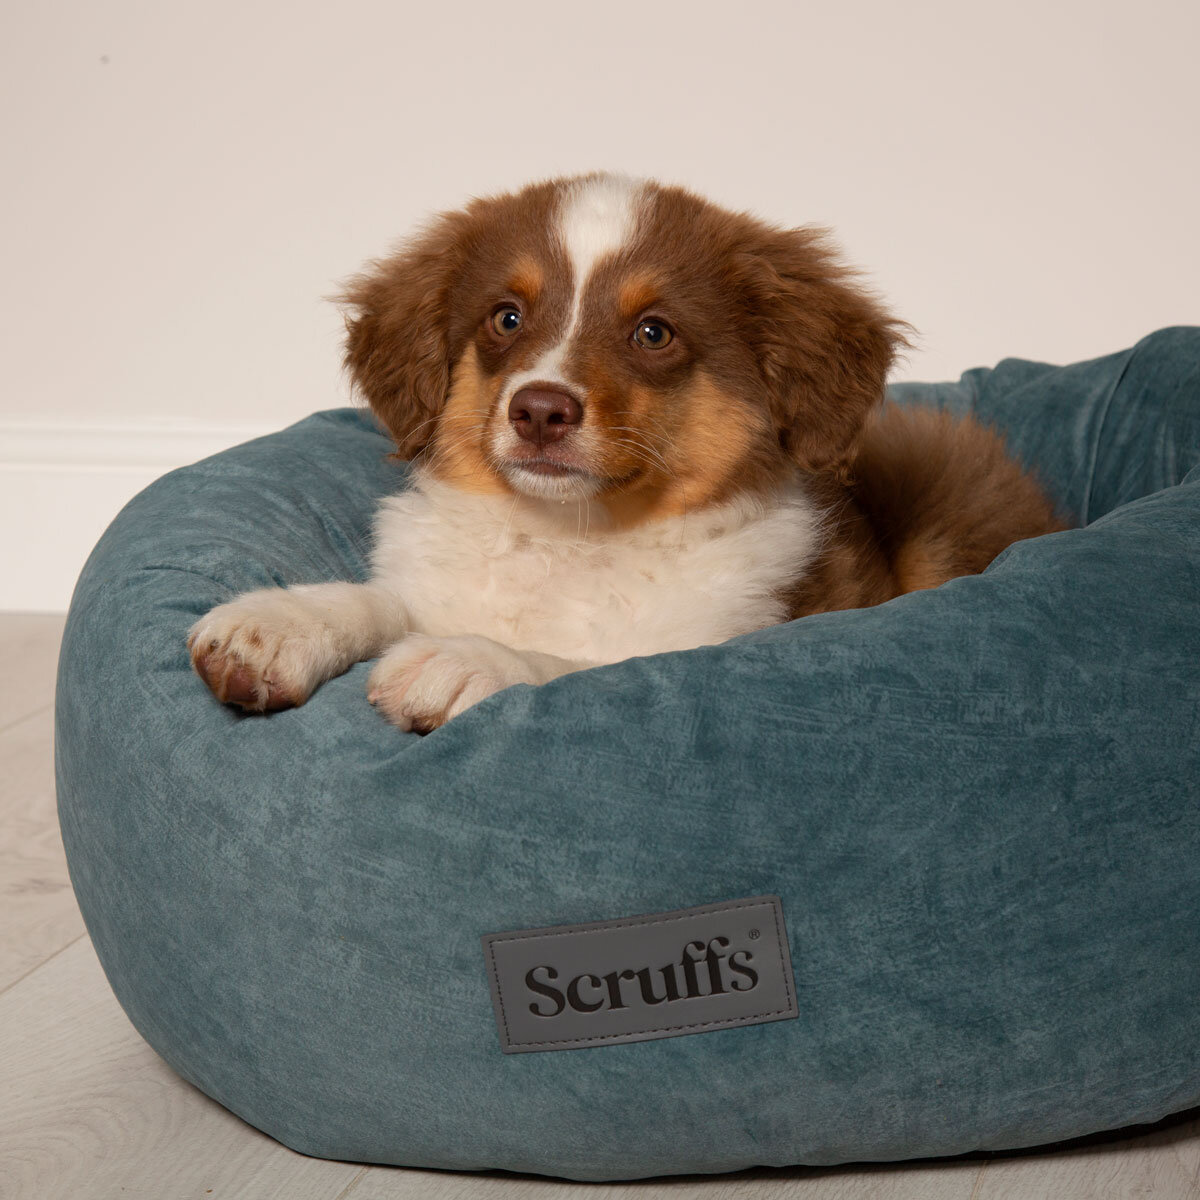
(424,681)
(263,651)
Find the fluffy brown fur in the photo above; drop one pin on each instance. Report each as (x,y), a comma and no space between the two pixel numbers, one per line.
(926,498)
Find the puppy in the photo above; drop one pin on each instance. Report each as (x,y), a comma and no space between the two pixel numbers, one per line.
(638,423)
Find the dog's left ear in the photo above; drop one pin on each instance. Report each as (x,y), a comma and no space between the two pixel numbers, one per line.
(825,346)
(398,347)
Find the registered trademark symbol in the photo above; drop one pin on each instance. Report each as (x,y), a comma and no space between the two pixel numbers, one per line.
(754,935)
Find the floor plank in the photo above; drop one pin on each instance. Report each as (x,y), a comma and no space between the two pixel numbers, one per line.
(89,1110)
(921,1181)
(1165,1163)
(29,651)
(40,914)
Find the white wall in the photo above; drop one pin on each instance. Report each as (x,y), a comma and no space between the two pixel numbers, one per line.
(183,183)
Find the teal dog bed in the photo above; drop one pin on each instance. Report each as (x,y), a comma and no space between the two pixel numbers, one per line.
(970,815)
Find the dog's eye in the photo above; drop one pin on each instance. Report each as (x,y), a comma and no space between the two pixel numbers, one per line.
(652,335)
(506,320)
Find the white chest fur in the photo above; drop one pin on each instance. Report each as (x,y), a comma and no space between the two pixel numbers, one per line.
(535,576)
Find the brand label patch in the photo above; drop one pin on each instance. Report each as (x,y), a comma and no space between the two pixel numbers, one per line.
(694,970)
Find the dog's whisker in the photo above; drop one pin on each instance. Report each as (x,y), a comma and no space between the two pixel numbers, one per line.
(644,454)
(640,441)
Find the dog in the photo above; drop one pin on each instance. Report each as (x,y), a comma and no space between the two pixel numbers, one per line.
(638,423)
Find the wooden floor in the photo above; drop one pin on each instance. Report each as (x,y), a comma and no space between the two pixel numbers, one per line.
(87,1110)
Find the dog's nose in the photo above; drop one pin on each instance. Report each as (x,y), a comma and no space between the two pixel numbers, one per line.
(542,415)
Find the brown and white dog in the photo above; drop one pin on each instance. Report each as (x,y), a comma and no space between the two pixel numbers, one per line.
(639,423)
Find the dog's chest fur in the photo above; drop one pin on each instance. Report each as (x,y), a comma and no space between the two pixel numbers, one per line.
(538,579)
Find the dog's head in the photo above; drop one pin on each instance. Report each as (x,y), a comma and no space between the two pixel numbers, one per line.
(611,338)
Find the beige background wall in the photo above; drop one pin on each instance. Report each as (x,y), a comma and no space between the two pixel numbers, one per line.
(183,183)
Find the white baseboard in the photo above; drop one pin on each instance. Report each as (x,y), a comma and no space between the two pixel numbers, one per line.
(60,486)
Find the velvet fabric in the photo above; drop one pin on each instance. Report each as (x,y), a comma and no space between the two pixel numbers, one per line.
(979,805)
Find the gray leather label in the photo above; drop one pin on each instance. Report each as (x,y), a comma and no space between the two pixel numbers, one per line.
(694,970)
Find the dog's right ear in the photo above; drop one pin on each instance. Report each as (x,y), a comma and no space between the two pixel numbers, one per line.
(397,332)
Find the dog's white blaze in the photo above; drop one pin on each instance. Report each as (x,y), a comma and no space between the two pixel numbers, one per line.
(596,217)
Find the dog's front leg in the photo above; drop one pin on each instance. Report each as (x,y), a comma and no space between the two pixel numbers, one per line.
(271,648)
(422,681)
